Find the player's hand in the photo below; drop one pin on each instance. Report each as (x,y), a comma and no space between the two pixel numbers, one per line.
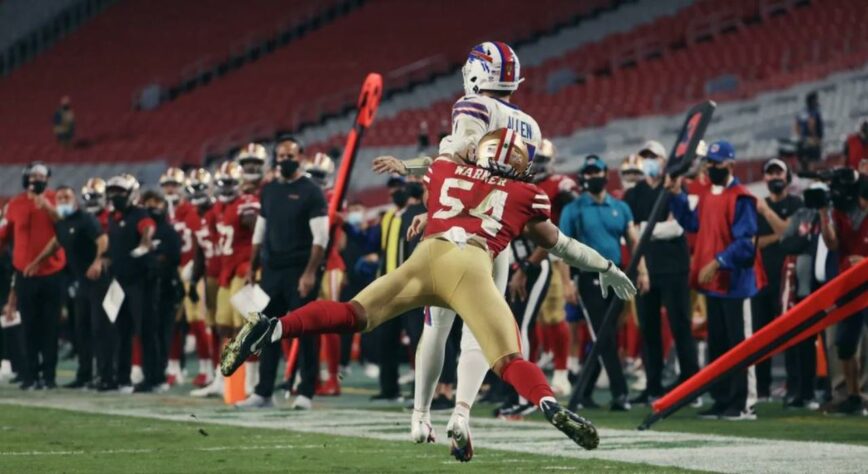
(571,294)
(616,279)
(518,286)
(31,269)
(706,274)
(643,282)
(389,164)
(94,270)
(306,283)
(417,226)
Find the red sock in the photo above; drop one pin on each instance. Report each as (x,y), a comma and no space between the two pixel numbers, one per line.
(200,332)
(560,340)
(320,317)
(216,348)
(137,351)
(527,379)
(176,347)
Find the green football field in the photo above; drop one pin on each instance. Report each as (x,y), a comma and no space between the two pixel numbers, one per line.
(74,431)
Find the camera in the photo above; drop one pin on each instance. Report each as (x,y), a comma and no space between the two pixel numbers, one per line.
(841,188)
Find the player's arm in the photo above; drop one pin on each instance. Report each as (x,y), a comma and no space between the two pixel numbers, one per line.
(580,256)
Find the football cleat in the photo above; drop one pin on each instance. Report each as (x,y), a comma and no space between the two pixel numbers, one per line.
(421,430)
(458,431)
(577,428)
(255,333)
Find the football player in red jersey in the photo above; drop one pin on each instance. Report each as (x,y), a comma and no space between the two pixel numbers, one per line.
(187,223)
(474,211)
(200,181)
(319,169)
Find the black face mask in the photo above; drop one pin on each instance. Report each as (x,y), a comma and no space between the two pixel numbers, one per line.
(718,176)
(38,187)
(119,202)
(288,168)
(597,184)
(776,186)
(400,197)
(415,190)
(156,214)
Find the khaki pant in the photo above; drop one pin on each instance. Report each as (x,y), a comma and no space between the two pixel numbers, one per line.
(440,273)
(227,315)
(211,288)
(330,288)
(552,309)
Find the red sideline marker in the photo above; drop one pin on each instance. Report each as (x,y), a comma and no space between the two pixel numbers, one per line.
(844,296)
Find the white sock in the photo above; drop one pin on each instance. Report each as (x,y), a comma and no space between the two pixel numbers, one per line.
(472,367)
(573,364)
(429,357)
(205,366)
(278,332)
(547,399)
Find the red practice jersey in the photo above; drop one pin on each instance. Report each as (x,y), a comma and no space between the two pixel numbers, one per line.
(187,223)
(555,185)
(490,207)
(210,239)
(236,240)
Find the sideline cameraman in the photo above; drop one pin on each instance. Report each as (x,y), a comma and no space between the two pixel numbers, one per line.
(845,230)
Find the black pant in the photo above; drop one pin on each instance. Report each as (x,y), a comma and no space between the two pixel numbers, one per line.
(39,301)
(137,317)
(726,326)
(168,292)
(102,339)
(281,285)
(801,363)
(592,299)
(765,307)
(670,291)
(389,353)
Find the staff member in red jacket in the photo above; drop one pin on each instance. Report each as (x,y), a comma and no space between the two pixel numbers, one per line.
(30,226)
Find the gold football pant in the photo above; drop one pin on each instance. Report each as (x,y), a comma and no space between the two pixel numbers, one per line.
(227,315)
(440,273)
(330,287)
(552,310)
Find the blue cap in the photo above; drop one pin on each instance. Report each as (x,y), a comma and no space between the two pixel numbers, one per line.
(593,161)
(720,151)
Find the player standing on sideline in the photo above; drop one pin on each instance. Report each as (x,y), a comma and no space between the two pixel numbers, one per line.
(211,210)
(474,211)
(186,221)
(491,75)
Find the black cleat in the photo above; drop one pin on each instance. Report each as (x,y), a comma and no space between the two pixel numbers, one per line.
(577,428)
(255,333)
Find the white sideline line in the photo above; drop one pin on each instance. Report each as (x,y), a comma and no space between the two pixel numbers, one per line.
(668,449)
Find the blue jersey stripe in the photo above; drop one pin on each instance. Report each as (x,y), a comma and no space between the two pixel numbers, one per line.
(473,105)
(476,115)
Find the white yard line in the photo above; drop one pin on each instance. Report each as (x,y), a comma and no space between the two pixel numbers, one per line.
(685,450)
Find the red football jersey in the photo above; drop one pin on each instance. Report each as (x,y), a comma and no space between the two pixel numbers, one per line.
(490,207)
(210,239)
(554,185)
(187,222)
(236,240)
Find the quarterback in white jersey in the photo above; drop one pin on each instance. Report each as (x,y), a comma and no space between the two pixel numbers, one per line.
(491,74)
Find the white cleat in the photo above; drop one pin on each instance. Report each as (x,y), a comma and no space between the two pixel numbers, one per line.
(255,401)
(458,431)
(302,403)
(561,383)
(213,389)
(421,430)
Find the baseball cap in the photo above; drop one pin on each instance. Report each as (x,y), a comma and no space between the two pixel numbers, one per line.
(654,147)
(775,162)
(720,151)
(395,181)
(593,161)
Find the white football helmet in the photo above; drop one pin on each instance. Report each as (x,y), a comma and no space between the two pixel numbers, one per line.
(252,159)
(491,66)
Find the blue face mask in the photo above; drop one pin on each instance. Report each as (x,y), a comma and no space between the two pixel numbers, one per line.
(355,218)
(65,210)
(651,167)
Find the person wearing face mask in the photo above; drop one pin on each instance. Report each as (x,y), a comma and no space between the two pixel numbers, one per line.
(84,241)
(163,280)
(93,200)
(182,215)
(726,268)
(288,244)
(131,230)
(30,220)
(600,221)
(773,218)
(668,262)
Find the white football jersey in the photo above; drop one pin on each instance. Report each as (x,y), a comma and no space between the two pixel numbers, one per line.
(475,115)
